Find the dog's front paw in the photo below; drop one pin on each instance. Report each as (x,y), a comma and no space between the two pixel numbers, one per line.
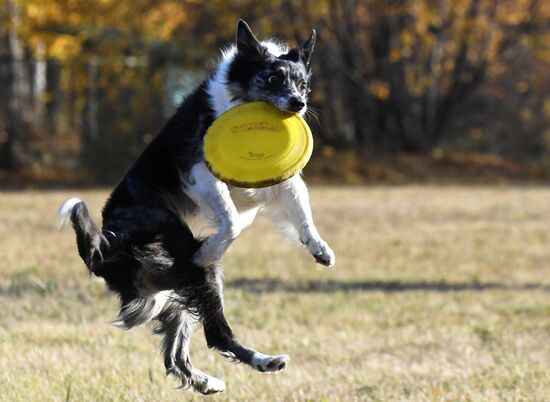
(322,253)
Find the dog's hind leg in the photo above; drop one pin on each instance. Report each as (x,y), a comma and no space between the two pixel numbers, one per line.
(178,325)
(220,337)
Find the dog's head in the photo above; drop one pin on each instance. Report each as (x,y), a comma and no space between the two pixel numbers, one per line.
(270,71)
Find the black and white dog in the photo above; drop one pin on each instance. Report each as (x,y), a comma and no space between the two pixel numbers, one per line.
(153,249)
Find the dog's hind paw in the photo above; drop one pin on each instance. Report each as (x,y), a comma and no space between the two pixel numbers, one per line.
(210,385)
(266,363)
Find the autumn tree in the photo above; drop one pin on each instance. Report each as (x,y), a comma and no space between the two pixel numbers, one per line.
(399,72)
(87,81)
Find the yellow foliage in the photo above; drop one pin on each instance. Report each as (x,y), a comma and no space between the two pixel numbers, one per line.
(163,20)
(395,55)
(380,89)
(64,25)
(63,47)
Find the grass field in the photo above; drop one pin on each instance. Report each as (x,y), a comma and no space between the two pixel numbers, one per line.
(438,294)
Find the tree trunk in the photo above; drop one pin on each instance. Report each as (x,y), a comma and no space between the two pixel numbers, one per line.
(40,85)
(18,89)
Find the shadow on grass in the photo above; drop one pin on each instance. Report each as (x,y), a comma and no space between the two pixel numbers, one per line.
(272,285)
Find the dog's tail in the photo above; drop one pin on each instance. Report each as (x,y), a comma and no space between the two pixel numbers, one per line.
(89,238)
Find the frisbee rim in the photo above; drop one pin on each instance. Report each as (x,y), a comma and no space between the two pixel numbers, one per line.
(287,173)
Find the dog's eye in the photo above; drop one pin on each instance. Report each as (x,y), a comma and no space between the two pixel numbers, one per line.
(274,80)
(302,86)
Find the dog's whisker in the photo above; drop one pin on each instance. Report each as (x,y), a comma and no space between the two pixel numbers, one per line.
(310,113)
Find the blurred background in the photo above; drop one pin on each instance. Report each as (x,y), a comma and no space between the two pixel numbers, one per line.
(404,90)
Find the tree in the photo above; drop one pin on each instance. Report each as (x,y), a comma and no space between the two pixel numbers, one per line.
(404,69)
(389,75)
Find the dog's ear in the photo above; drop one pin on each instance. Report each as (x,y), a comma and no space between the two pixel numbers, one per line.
(306,49)
(247,44)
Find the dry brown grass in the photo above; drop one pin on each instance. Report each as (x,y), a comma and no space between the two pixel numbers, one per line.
(439,294)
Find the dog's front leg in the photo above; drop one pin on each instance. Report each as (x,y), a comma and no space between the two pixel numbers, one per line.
(213,198)
(294,201)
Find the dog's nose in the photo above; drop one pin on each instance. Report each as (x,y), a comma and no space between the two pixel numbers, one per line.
(295,104)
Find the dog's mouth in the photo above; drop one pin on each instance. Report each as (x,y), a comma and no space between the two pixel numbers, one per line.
(286,106)
(295,105)
(292,109)
(298,109)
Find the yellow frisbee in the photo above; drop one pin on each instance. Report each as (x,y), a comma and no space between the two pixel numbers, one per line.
(257,145)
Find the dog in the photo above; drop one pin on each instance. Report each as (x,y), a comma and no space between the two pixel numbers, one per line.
(168,222)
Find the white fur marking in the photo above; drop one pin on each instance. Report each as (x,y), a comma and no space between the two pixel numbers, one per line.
(266,363)
(65,210)
(294,203)
(220,99)
(160,300)
(214,201)
(275,47)
(213,385)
